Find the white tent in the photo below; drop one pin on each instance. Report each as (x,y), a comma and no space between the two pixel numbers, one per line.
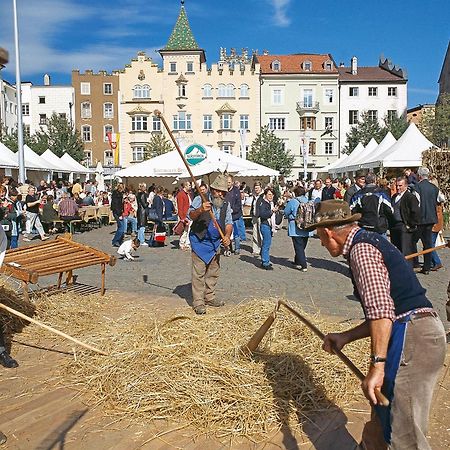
(49,156)
(340,168)
(7,158)
(352,164)
(74,166)
(407,151)
(171,165)
(34,161)
(368,161)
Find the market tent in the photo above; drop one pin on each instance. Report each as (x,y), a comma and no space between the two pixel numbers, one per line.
(7,158)
(49,156)
(171,165)
(353,164)
(407,151)
(368,161)
(74,166)
(340,168)
(35,162)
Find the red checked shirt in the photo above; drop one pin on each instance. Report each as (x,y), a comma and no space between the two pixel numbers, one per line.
(372,279)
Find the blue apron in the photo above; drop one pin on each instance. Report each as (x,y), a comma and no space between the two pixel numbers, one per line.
(207,247)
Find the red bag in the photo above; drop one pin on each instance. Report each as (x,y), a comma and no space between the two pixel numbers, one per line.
(178,229)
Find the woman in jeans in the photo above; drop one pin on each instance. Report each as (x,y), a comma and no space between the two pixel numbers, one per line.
(265,213)
(142,205)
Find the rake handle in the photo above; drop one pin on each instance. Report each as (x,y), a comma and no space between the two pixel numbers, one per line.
(428,250)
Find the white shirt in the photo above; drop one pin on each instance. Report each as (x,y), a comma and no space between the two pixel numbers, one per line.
(126,250)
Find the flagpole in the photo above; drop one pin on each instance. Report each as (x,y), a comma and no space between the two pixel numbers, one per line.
(21,158)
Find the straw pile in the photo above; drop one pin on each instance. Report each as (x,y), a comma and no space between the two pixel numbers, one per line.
(189,369)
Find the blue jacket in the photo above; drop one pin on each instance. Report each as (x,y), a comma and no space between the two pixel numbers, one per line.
(290,211)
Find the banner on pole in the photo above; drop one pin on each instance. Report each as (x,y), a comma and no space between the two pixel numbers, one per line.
(114,143)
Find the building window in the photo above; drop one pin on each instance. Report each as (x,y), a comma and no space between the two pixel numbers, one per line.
(226,90)
(328,66)
(243,122)
(108,158)
(226,148)
(277,96)
(373,91)
(173,67)
(372,114)
(207,122)
(42,119)
(392,92)
(392,114)
(353,91)
(107,129)
(307,66)
(226,122)
(141,91)
(182,121)
(307,123)
(277,123)
(25,109)
(156,124)
(328,148)
(243,90)
(138,153)
(86,133)
(190,66)
(139,123)
(107,88)
(207,91)
(276,66)
(328,123)
(329,95)
(307,98)
(41,100)
(353,117)
(182,90)
(86,112)
(88,158)
(108,112)
(312,148)
(62,115)
(85,88)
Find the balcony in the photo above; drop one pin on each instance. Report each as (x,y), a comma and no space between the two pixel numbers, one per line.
(305,107)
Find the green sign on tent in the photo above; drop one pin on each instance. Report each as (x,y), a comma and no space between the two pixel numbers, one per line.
(195,154)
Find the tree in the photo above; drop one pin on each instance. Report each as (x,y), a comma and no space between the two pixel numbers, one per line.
(395,124)
(366,129)
(269,150)
(60,137)
(158,145)
(11,139)
(437,127)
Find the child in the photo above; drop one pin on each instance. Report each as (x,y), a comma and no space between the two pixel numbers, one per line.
(127,248)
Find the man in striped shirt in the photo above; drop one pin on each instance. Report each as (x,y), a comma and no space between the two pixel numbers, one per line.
(407,337)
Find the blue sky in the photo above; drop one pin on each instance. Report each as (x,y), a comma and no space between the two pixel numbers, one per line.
(57,36)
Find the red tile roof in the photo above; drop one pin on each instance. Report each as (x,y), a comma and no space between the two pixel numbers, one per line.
(367,74)
(294,63)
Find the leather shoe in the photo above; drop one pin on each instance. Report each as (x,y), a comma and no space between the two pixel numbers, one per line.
(424,272)
(437,267)
(266,267)
(215,303)
(2,438)
(7,361)
(200,310)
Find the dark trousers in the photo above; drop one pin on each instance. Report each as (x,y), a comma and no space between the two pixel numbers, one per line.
(403,239)
(2,339)
(300,244)
(425,234)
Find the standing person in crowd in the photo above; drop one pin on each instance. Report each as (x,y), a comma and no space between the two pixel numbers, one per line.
(406,218)
(360,182)
(169,207)
(411,177)
(76,187)
(374,206)
(42,187)
(316,191)
(33,219)
(436,262)
(407,337)
(233,197)
(129,212)
(428,194)
(328,191)
(158,205)
(117,210)
(184,200)
(254,210)
(20,216)
(142,204)
(205,241)
(266,211)
(299,236)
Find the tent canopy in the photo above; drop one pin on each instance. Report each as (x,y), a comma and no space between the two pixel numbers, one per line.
(49,156)
(73,165)
(171,165)
(7,157)
(368,161)
(357,151)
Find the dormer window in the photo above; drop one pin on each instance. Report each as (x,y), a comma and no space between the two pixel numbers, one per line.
(307,66)
(328,65)
(276,66)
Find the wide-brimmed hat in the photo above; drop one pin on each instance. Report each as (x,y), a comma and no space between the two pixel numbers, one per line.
(360,173)
(330,213)
(220,182)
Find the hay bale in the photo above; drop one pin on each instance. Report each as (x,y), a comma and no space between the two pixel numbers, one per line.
(189,369)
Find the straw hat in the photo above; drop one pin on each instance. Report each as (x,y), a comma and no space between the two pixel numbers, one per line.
(330,213)
(220,183)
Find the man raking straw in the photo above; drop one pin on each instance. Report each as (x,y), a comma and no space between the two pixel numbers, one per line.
(407,337)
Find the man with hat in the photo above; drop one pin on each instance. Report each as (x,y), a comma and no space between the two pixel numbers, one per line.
(407,337)
(205,241)
(360,182)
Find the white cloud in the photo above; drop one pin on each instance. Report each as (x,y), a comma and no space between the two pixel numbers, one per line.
(413,90)
(280,17)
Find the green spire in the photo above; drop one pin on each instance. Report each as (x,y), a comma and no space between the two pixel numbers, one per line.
(182,37)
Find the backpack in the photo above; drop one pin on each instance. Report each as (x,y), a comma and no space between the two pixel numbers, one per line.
(305,214)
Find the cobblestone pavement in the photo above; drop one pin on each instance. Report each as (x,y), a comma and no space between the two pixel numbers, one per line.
(165,273)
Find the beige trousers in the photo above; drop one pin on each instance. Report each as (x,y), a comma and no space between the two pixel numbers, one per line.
(256,237)
(204,279)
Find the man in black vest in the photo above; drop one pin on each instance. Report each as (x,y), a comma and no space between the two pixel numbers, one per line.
(407,337)
(360,182)
(428,194)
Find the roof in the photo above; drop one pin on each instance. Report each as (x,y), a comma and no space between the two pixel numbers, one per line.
(446,61)
(294,63)
(367,74)
(182,37)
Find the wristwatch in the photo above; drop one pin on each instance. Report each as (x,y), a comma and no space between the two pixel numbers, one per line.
(376,359)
